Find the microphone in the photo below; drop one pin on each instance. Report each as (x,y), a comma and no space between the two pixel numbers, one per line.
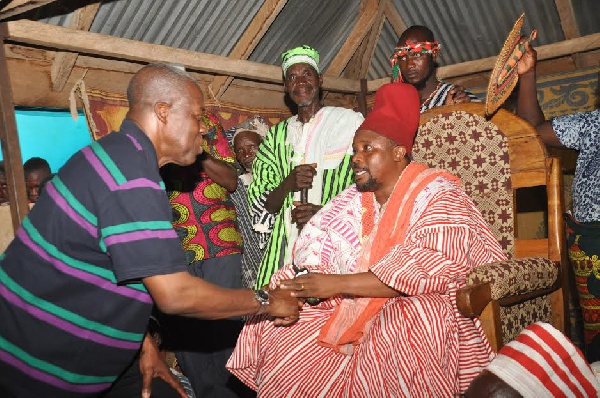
(304,195)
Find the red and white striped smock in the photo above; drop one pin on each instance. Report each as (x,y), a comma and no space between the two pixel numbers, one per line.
(418,345)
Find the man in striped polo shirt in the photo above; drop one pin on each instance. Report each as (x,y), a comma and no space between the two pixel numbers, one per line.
(79,280)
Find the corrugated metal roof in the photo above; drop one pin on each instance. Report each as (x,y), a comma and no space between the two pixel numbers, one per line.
(380,63)
(206,26)
(324,25)
(587,14)
(467,29)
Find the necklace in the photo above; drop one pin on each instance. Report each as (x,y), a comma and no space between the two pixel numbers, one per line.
(433,93)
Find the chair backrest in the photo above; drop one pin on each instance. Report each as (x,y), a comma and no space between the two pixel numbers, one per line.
(493,158)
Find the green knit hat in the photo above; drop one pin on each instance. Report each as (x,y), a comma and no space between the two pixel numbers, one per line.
(303,54)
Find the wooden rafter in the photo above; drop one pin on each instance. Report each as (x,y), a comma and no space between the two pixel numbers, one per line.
(365,21)
(358,67)
(250,39)
(64,61)
(394,18)
(568,22)
(548,51)
(59,38)
(569,25)
(17,7)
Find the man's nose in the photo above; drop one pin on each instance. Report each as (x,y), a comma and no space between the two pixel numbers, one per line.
(202,127)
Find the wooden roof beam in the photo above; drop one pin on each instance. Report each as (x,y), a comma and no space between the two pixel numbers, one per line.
(55,37)
(250,39)
(366,18)
(17,7)
(548,51)
(358,66)
(394,18)
(568,23)
(65,61)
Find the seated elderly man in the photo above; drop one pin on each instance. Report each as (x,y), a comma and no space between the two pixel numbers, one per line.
(385,259)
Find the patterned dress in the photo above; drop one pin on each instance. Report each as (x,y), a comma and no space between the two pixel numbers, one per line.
(581,131)
(417,345)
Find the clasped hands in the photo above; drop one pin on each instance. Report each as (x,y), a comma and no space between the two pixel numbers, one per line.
(299,289)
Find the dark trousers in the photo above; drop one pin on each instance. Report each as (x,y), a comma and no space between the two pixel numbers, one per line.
(203,347)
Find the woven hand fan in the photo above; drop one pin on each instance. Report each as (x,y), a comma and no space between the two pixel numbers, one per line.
(504,75)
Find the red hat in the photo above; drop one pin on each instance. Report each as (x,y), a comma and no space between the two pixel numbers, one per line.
(395,114)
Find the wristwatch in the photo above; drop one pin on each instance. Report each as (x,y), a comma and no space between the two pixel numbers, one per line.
(262,296)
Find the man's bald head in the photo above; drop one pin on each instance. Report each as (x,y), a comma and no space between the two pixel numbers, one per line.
(167,104)
(157,83)
(416,32)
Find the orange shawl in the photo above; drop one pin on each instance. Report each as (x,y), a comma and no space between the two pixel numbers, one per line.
(350,320)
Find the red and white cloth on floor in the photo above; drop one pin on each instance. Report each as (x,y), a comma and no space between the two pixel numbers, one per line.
(542,362)
(415,345)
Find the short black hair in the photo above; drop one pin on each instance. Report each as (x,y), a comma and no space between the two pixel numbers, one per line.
(417,28)
(36,163)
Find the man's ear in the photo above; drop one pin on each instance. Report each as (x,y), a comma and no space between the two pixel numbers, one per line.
(320,80)
(399,153)
(162,109)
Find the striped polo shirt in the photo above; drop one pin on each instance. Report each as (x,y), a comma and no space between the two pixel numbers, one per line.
(73,310)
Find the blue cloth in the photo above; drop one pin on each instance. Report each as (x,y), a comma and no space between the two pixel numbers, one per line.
(581,131)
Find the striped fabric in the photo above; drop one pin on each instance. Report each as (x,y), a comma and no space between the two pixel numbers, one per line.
(438,97)
(275,160)
(418,345)
(73,311)
(251,253)
(542,362)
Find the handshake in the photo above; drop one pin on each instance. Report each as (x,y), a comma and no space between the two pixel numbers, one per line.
(286,300)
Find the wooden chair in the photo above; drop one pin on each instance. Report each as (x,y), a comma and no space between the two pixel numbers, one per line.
(494,158)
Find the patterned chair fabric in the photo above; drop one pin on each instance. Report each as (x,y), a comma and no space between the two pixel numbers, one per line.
(517,317)
(476,151)
(516,276)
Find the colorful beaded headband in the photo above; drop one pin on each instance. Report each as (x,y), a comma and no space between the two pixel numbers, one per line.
(422,47)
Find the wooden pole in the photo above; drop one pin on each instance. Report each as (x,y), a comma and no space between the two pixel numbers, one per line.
(362,97)
(9,139)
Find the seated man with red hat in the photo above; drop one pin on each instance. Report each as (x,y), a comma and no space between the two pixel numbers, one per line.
(376,270)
